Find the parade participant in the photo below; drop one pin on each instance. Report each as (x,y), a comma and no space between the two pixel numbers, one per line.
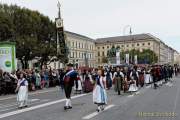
(69,78)
(78,83)
(94,74)
(99,92)
(154,77)
(166,74)
(141,77)
(125,84)
(88,82)
(171,72)
(132,85)
(134,75)
(22,89)
(148,77)
(118,78)
(108,75)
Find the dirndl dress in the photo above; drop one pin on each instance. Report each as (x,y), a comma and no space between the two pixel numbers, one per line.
(99,93)
(22,95)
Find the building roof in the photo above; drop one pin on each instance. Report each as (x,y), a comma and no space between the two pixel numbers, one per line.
(125,38)
(79,36)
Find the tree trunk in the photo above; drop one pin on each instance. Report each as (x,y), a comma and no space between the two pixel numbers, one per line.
(22,62)
(26,64)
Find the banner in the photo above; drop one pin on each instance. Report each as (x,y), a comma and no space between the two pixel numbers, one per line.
(7,57)
(135,59)
(118,57)
(127,58)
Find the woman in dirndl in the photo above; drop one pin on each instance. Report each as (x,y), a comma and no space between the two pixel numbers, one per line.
(133,82)
(99,92)
(22,89)
(78,83)
(148,77)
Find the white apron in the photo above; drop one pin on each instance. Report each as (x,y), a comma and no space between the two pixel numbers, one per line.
(148,78)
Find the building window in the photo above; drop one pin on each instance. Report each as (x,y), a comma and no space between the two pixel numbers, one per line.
(107,47)
(82,55)
(102,53)
(102,47)
(98,47)
(72,44)
(143,44)
(149,43)
(76,44)
(79,45)
(122,45)
(98,53)
(73,55)
(79,55)
(127,45)
(82,45)
(137,44)
(76,55)
(99,60)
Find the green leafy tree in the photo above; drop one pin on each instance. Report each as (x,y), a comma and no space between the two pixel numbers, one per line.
(33,33)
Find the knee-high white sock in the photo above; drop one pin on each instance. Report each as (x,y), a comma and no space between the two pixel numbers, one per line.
(70,103)
(67,102)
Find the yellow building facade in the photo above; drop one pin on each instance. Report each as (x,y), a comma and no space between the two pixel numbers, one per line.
(139,42)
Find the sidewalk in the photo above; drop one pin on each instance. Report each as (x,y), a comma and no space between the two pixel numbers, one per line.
(45,90)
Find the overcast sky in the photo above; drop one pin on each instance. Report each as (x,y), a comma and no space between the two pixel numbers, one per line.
(106,18)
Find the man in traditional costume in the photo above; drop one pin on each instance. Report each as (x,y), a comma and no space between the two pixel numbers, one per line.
(118,79)
(69,79)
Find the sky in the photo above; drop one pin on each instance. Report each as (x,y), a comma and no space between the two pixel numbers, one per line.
(107,18)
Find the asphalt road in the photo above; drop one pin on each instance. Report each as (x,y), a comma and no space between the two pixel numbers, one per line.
(147,104)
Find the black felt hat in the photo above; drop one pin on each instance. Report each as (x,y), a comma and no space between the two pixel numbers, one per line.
(70,65)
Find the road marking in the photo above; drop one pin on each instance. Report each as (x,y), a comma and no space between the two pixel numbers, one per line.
(96,113)
(169,84)
(45,100)
(148,86)
(34,93)
(36,107)
(33,100)
(131,95)
(13,104)
(7,109)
